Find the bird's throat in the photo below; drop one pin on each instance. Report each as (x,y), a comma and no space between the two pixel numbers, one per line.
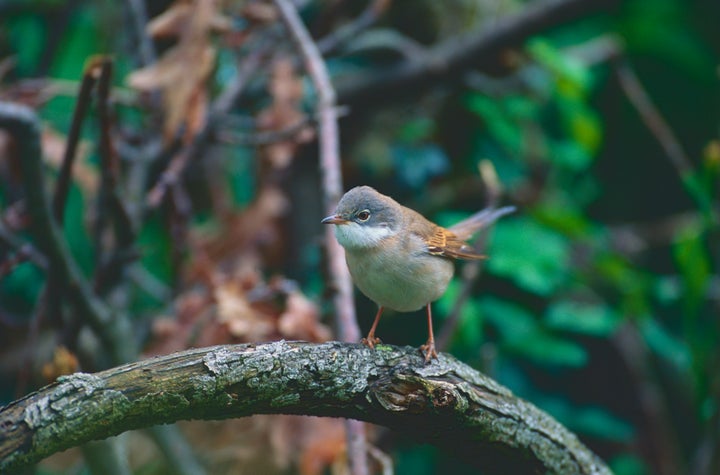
(355,236)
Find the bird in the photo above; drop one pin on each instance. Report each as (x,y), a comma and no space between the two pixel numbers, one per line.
(397,257)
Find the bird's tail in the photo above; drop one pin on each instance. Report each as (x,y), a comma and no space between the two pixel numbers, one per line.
(469,226)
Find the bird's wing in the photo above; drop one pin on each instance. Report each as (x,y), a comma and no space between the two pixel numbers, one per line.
(445,243)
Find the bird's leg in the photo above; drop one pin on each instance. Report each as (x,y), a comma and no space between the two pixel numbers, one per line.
(428,348)
(371,340)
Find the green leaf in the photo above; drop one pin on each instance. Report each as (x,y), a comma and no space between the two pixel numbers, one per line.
(470,328)
(27,35)
(563,216)
(580,317)
(522,335)
(20,290)
(239,166)
(415,164)
(155,244)
(599,423)
(416,130)
(85,37)
(570,70)
(665,344)
(513,322)
(569,155)
(501,125)
(534,257)
(693,259)
(593,421)
(550,350)
(628,464)
(75,229)
(583,125)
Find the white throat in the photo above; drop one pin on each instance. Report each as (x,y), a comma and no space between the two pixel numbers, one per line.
(353,236)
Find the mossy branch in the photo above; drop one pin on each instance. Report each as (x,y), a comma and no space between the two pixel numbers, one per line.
(445,403)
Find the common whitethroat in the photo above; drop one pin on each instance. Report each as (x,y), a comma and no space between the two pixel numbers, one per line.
(399,259)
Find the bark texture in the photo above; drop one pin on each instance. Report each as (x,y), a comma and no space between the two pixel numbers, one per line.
(445,403)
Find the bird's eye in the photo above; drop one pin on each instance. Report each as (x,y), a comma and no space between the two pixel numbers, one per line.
(363,215)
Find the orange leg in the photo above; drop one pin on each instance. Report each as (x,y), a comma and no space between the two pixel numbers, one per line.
(428,348)
(371,340)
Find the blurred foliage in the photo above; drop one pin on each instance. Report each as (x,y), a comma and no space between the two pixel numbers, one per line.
(600,298)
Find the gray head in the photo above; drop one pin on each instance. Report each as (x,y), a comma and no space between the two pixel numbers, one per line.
(364,217)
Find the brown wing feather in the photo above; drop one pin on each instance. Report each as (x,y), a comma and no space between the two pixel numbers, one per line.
(445,243)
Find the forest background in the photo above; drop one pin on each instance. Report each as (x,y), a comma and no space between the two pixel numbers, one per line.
(193,206)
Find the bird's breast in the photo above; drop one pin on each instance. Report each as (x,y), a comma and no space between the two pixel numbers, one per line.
(396,282)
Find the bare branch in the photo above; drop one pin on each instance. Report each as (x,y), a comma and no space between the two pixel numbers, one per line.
(372,12)
(652,118)
(329,139)
(62,187)
(24,126)
(480,49)
(140,18)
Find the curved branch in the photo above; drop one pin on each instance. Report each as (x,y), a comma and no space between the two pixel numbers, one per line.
(24,126)
(446,403)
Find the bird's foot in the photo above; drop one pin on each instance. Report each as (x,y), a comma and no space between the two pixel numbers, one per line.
(371,341)
(428,350)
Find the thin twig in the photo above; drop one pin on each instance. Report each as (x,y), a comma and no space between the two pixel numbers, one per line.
(178,453)
(658,440)
(346,32)
(332,187)
(138,12)
(109,165)
(473,269)
(658,126)
(385,461)
(638,97)
(23,249)
(260,138)
(108,161)
(10,263)
(23,124)
(218,109)
(110,208)
(62,187)
(329,163)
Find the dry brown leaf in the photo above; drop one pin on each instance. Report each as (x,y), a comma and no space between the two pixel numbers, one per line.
(286,89)
(63,362)
(173,21)
(9,161)
(300,320)
(260,12)
(182,72)
(314,443)
(243,235)
(238,315)
(285,85)
(176,334)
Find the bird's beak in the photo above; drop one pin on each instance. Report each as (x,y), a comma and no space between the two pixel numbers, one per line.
(334,219)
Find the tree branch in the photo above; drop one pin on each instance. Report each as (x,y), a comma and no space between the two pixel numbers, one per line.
(24,126)
(446,403)
(479,49)
(329,142)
